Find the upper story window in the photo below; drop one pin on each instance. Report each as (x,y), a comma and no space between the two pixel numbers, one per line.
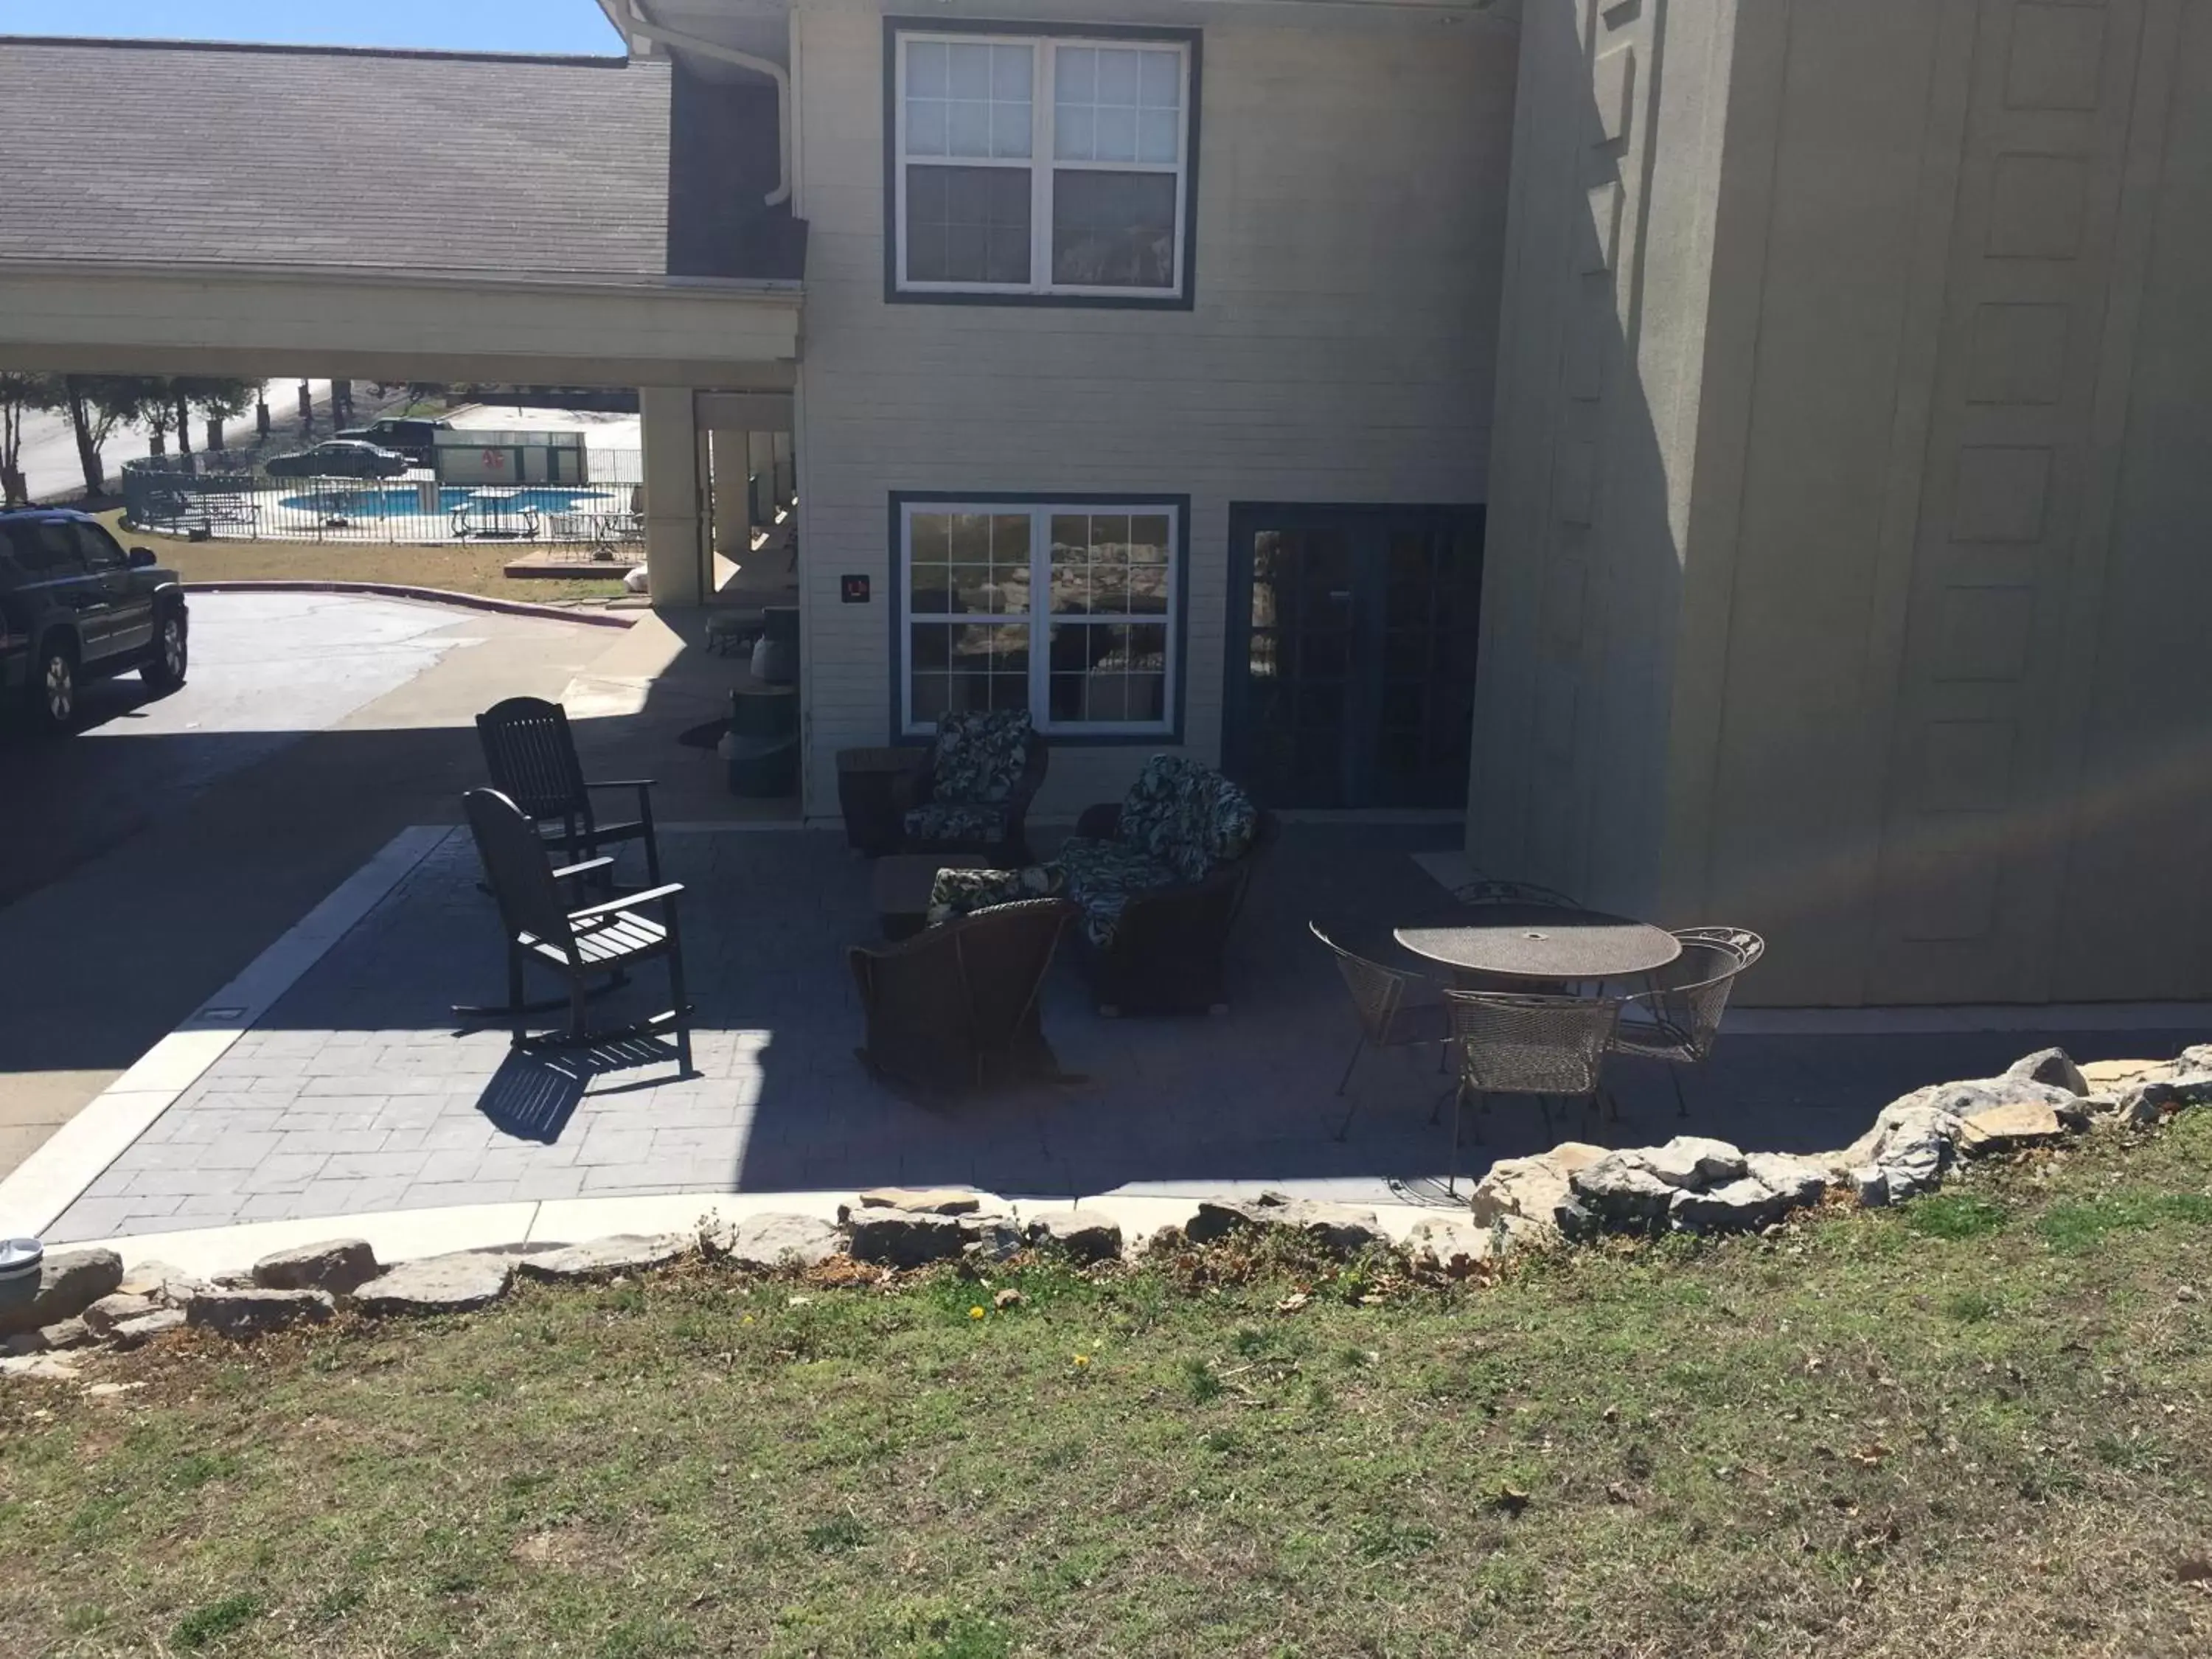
(1054,168)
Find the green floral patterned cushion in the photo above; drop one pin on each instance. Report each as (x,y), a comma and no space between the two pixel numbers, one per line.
(964,892)
(956,822)
(980,755)
(1101,876)
(1188,816)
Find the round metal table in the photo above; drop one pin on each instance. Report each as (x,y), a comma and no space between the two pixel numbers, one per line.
(1539,942)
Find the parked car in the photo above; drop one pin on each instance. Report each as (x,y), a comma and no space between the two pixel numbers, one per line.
(416,440)
(74,606)
(338,458)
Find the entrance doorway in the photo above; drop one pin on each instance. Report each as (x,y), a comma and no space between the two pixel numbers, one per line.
(1351,645)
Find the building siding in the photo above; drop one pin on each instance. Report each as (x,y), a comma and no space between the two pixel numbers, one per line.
(1351,211)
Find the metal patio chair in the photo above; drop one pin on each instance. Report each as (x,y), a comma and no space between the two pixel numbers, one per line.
(1387,1019)
(1510,1044)
(1678,1020)
(580,944)
(531,756)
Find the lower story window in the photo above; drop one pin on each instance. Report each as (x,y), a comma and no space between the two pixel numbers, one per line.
(1068,610)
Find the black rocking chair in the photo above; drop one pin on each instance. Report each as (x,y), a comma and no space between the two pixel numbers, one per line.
(532,758)
(579,944)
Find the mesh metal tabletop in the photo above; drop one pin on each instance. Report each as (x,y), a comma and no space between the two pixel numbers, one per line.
(1537,942)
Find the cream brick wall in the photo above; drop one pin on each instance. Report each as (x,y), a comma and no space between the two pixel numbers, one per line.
(1351,215)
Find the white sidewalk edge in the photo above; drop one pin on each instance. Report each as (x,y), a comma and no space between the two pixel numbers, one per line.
(40,1189)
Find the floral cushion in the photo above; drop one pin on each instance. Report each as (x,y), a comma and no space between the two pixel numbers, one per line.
(1187,816)
(957,822)
(1100,876)
(964,892)
(980,755)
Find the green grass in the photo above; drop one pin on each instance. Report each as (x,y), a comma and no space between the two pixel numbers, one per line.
(1973,1425)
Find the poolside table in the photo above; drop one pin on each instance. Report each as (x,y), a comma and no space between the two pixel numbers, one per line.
(1542,945)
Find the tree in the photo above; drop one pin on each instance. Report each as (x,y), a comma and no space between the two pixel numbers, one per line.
(97,404)
(216,399)
(20,395)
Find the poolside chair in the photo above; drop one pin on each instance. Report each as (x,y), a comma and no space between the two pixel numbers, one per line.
(1678,1020)
(532,757)
(580,944)
(1545,1046)
(1387,1019)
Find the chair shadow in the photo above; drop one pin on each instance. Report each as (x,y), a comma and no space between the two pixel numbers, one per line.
(535,1092)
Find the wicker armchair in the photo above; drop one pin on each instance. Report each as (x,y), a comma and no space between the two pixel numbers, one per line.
(965,797)
(955,1004)
(1543,1046)
(1678,1022)
(1387,1018)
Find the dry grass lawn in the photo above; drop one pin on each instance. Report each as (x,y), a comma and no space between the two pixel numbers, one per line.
(1979,1425)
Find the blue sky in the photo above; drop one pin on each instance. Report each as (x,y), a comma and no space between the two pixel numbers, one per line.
(473,25)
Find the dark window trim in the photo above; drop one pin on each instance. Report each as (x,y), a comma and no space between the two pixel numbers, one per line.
(1194,39)
(902,499)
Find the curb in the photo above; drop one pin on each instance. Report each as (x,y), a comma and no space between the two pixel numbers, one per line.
(426,595)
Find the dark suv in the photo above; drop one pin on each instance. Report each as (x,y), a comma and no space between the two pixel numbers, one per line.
(416,440)
(75,606)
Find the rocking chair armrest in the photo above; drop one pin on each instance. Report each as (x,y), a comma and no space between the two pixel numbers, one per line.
(620,783)
(598,863)
(650,895)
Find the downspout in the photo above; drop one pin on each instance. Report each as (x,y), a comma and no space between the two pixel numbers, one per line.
(653,35)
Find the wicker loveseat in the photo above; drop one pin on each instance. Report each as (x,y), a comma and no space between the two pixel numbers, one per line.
(972,794)
(1157,881)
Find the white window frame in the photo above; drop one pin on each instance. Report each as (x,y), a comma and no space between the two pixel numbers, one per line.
(1041,163)
(1039,622)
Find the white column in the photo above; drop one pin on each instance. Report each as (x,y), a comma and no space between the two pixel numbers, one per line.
(733,519)
(671,441)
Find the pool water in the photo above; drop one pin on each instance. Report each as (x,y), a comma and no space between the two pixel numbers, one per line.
(405,500)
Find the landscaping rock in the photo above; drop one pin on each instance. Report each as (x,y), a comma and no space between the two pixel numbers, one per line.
(1795,1181)
(604,1258)
(1084,1234)
(67,1333)
(900,1238)
(1538,1189)
(1911,1142)
(765,1242)
(2022,1123)
(133,1332)
(2054,1067)
(69,1282)
(248,1312)
(2144,1105)
(995,1238)
(1734,1207)
(45,1367)
(1871,1185)
(1620,1191)
(438,1283)
(1910,1171)
(1339,1226)
(339,1266)
(1694,1162)
(1450,1245)
(2195,1058)
(2102,1076)
(928,1201)
(110,1311)
(159,1281)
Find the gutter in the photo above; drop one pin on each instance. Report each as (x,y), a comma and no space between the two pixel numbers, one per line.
(499,281)
(655,35)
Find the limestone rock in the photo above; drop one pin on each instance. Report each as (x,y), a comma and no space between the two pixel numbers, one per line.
(604,1258)
(1451,1245)
(1339,1226)
(133,1332)
(2021,1123)
(994,1237)
(2195,1058)
(902,1238)
(1084,1234)
(45,1367)
(1538,1190)
(339,1266)
(2144,1105)
(246,1313)
(69,1282)
(438,1284)
(1795,1181)
(160,1281)
(1871,1185)
(1621,1192)
(2054,1067)
(1694,1161)
(2102,1076)
(53,1339)
(1910,1171)
(1734,1207)
(765,1242)
(926,1201)
(111,1310)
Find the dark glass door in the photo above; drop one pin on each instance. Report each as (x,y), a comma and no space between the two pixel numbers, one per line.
(1352,644)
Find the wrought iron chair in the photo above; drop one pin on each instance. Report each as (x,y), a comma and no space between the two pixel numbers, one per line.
(531,756)
(1484,890)
(1387,1019)
(1678,1020)
(1544,1046)
(579,944)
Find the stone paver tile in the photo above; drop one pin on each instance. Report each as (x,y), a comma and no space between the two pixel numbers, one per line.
(548,1183)
(405,1166)
(436,1194)
(511,1161)
(611,1145)
(349,1197)
(284,1172)
(231,1152)
(450,1164)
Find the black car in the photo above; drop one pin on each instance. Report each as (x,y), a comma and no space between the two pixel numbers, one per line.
(416,440)
(75,606)
(338,458)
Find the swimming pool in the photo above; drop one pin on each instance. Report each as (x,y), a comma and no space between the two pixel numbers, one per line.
(405,500)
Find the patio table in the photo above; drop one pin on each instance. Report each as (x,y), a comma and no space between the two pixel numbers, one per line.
(1543,943)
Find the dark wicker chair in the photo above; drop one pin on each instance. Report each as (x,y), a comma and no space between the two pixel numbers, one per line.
(1679,1021)
(1387,1018)
(599,939)
(956,1005)
(1546,1046)
(995,829)
(532,757)
(1169,947)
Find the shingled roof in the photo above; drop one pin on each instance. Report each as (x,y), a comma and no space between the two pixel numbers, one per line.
(459,163)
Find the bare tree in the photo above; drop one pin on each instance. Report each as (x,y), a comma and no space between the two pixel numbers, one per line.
(20,396)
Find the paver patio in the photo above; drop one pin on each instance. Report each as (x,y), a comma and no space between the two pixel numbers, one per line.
(358,1095)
